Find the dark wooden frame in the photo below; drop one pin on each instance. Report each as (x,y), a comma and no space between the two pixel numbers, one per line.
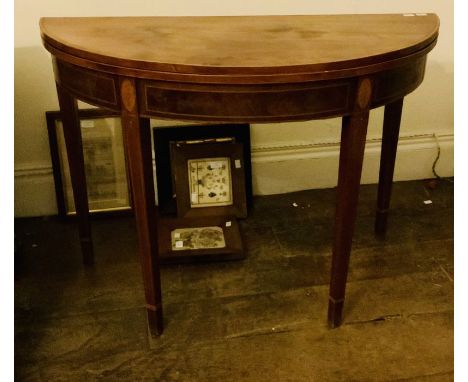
(234,249)
(164,135)
(182,153)
(51,119)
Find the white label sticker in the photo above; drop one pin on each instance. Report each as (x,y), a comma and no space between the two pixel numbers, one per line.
(179,244)
(228,223)
(237,163)
(214,165)
(87,123)
(428,202)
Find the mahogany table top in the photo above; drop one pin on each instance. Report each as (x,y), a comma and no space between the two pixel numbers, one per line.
(230,46)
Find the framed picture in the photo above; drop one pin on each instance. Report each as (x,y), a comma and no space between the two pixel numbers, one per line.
(164,176)
(211,238)
(209,178)
(105,163)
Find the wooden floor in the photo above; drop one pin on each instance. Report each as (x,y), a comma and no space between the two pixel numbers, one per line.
(261,319)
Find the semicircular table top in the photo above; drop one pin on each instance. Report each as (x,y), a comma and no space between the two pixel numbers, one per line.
(239,45)
(238,69)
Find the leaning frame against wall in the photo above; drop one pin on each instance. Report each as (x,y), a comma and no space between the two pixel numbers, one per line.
(105,163)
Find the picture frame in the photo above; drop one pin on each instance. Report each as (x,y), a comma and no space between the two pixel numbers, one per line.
(209,178)
(232,250)
(106,169)
(163,135)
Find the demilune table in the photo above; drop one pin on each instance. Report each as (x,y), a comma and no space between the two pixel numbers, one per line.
(238,69)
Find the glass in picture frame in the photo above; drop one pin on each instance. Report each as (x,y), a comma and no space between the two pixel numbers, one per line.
(105,163)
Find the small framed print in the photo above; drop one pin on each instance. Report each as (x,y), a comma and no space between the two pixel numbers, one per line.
(210,182)
(105,163)
(209,178)
(210,238)
(163,135)
(183,239)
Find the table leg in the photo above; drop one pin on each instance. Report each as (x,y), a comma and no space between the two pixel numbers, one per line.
(353,139)
(391,128)
(137,135)
(74,146)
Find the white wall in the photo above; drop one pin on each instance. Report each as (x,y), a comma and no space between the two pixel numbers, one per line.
(309,148)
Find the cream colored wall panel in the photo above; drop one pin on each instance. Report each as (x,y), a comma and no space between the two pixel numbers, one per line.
(34,191)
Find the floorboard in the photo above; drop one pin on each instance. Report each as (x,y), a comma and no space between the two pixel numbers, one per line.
(260,319)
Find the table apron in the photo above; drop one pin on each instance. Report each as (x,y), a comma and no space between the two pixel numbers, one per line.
(242,103)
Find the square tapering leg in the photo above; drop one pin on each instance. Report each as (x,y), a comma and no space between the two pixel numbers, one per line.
(391,129)
(137,135)
(74,146)
(353,139)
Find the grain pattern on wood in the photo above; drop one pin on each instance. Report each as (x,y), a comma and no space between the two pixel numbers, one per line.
(94,87)
(74,145)
(235,69)
(259,103)
(391,129)
(137,136)
(394,287)
(238,46)
(353,138)
(395,83)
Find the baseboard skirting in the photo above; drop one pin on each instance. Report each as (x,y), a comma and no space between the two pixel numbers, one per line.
(281,169)
(276,169)
(264,154)
(33,171)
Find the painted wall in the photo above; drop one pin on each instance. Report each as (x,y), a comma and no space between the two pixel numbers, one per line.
(284,155)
